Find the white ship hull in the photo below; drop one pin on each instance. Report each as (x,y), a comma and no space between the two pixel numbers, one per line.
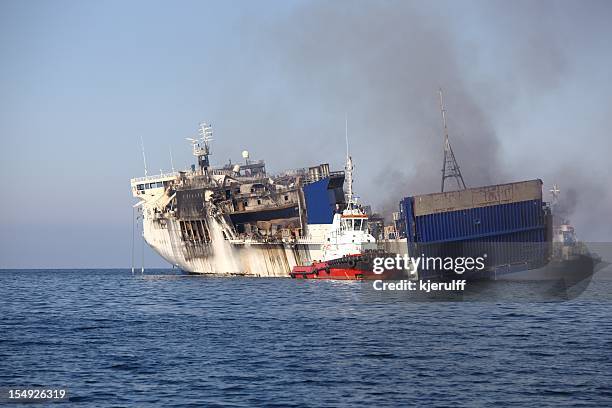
(223,257)
(252,258)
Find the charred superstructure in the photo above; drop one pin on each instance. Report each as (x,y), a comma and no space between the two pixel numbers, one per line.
(237,218)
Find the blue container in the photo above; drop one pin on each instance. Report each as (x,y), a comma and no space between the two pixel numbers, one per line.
(509,234)
(481,222)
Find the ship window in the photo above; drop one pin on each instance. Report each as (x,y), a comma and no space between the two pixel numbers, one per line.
(140,187)
(160,184)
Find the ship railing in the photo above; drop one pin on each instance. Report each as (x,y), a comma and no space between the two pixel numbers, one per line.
(255,241)
(154,177)
(290,173)
(320,177)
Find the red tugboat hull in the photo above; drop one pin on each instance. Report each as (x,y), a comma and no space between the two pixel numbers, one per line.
(323,271)
(353,267)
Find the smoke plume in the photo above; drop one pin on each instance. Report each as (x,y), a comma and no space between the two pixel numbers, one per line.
(383,63)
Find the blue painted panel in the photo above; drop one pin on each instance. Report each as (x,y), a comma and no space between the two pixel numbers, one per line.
(475,222)
(320,202)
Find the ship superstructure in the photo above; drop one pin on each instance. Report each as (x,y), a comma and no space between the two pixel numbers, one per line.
(237,218)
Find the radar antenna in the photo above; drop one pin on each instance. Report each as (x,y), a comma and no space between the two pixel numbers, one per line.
(450,168)
(205,132)
(201,146)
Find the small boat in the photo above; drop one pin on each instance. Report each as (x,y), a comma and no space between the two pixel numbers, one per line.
(349,249)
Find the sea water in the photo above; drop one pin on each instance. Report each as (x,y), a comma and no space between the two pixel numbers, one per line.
(169,339)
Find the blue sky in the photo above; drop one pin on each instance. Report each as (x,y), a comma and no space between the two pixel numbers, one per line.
(527,88)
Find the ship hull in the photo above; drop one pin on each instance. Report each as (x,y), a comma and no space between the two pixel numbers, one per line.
(352,267)
(222,257)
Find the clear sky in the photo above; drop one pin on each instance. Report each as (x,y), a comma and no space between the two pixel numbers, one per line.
(527,86)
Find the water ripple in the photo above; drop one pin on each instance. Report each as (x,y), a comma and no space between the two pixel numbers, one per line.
(114,339)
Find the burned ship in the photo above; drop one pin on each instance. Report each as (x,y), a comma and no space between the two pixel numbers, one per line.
(237,218)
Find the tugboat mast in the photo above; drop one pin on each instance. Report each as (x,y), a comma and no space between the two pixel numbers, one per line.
(348,168)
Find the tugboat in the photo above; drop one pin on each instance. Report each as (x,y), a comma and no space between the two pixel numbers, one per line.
(348,252)
(349,249)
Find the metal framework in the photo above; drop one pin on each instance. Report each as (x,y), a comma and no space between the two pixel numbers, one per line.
(450,168)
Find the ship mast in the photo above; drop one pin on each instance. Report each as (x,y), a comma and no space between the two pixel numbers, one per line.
(144,157)
(554,192)
(201,147)
(171,159)
(348,167)
(450,168)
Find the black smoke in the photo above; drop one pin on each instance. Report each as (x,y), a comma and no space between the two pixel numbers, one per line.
(382,62)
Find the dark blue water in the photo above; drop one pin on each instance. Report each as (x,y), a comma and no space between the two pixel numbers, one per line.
(117,340)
